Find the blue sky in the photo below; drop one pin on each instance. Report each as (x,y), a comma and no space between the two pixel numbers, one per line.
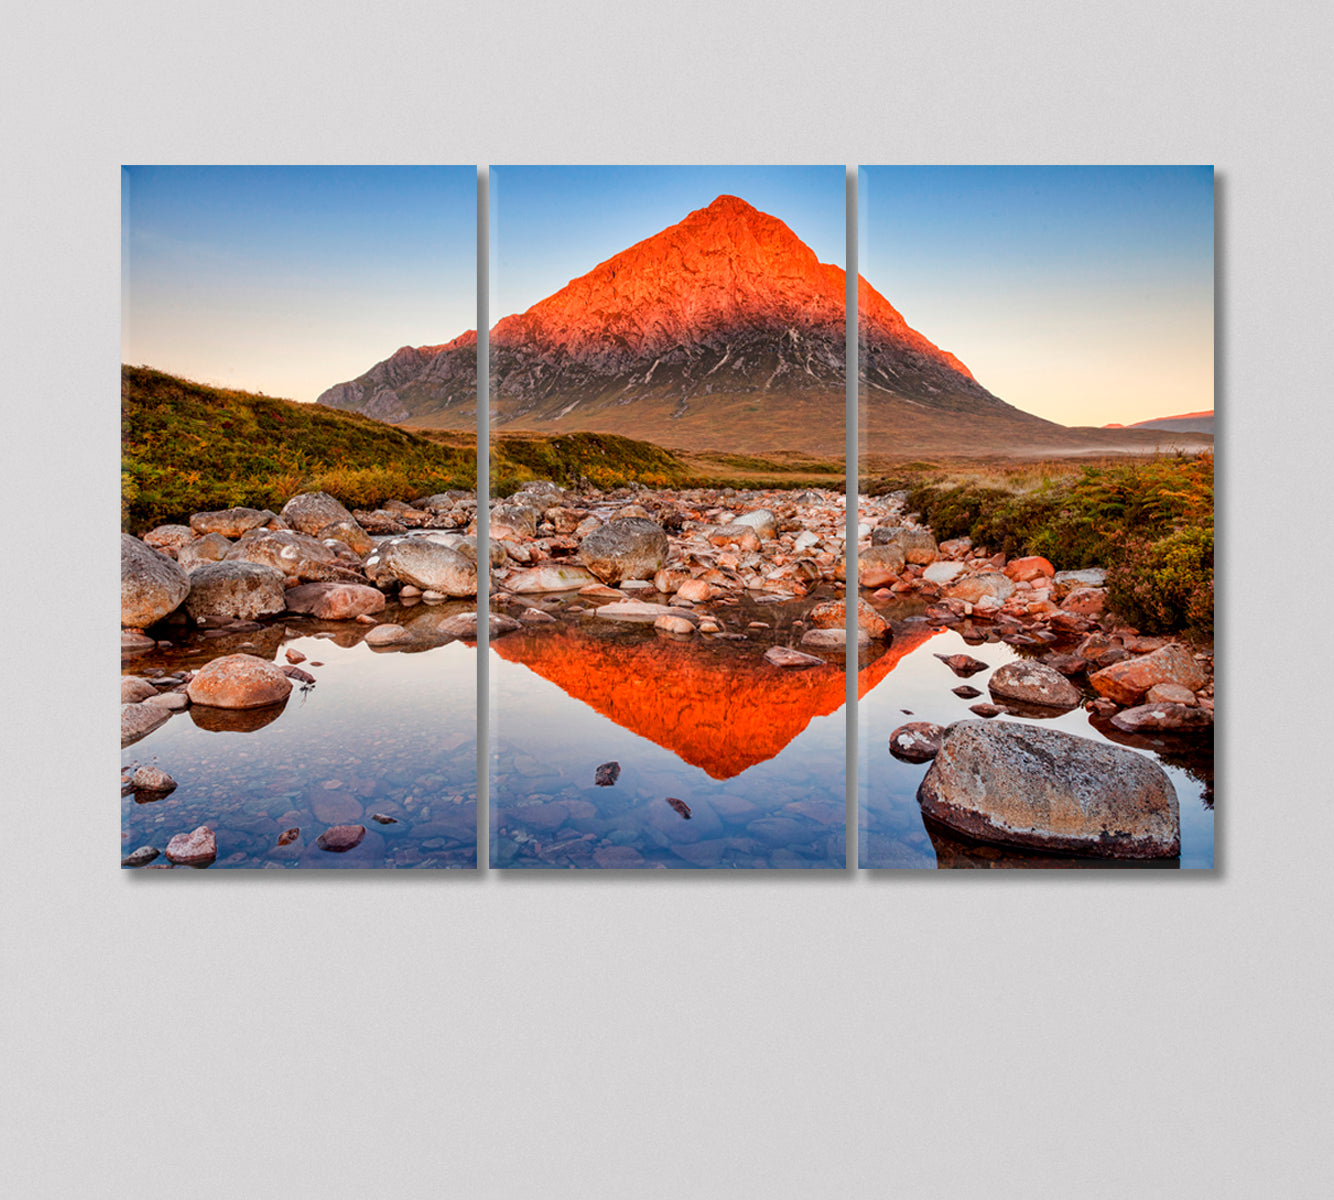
(287,280)
(549,225)
(1081,294)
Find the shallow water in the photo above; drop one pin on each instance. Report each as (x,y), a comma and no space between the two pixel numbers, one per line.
(381,731)
(755,753)
(891,831)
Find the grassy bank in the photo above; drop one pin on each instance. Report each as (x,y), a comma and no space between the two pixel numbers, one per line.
(187,448)
(1149,521)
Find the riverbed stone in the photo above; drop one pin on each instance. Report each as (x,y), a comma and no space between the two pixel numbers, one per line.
(633,548)
(943,571)
(386,635)
(212,547)
(151,584)
(230,522)
(195,848)
(916,741)
(673,624)
(341,838)
(169,537)
(426,564)
(879,565)
(550,577)
(239,681)
(1033,683)
(1128,681)
(334,601)
(982,588)
(1065,582)
(918,545)
(1085,602)
(311,511)
(761,520)
(141,857)
(133,689)
(294,554)
(237,590)
(153,779)
(1026,570)
(1025,785)
(783,656)
(1153,718)
(350,534)
(833,614)
(139,720)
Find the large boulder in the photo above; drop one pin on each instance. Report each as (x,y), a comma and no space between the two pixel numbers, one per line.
(151,584)
(334,601)
(312,511)
(294,554)
(1128,681)
(230,522)
(239,681)
(630,548)
(424,563)
(1033,683)
(242,590)
(1024,785)
(983,587)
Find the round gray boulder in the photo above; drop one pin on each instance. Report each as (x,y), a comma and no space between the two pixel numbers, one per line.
(425,564)
(1033,683)
(151,584)
(242,590)
(630,548)
(312,511)
(1022,785)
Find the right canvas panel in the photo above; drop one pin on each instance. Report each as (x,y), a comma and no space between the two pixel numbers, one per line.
(1035,501)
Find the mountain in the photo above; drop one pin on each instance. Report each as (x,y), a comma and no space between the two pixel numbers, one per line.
(1196,422)
(722,332)
(415,382)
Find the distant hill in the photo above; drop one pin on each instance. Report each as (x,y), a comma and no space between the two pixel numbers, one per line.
(1196,422)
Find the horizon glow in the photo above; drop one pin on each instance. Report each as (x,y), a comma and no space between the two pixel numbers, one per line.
(1080,294)
(288,280)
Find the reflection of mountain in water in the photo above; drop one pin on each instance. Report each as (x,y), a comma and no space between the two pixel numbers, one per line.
(721,708)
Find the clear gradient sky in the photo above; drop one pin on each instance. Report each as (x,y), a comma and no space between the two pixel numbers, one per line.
(549,225)
(1081,294)
(287,280)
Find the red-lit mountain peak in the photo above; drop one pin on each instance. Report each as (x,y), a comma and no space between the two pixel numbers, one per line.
(725,267)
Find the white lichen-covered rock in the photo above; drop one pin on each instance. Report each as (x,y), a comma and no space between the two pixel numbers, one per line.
(240,590)
(1024,785)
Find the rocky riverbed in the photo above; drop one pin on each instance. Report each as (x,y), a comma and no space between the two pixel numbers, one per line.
(709,624)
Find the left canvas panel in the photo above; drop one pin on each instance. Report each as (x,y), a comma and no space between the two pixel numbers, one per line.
(298,516)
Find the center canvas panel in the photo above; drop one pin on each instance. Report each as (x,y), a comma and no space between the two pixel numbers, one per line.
(667,420)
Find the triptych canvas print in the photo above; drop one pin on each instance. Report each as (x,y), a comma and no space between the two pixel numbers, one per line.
(679,583)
